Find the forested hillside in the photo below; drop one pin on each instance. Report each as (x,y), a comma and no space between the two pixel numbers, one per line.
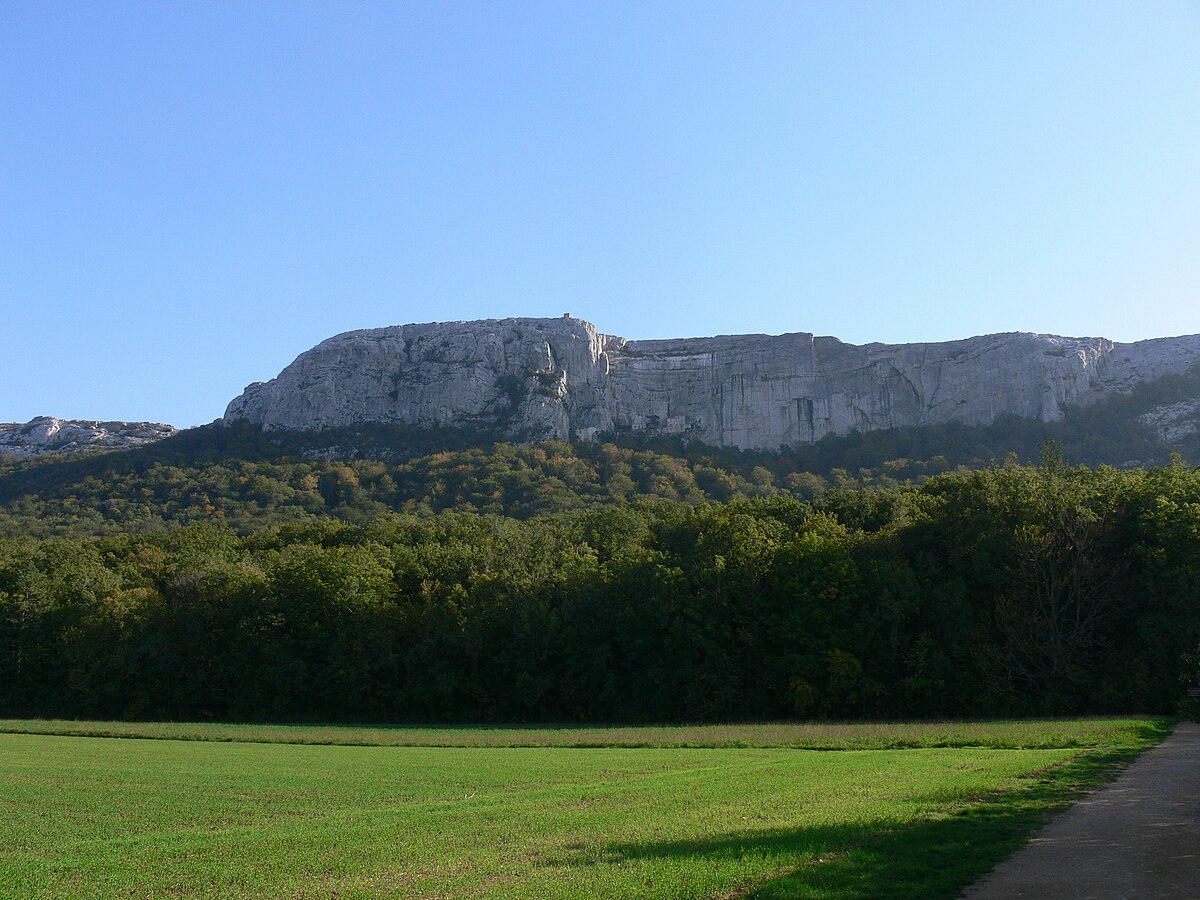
(242,477)
(395,574)
(1016,589)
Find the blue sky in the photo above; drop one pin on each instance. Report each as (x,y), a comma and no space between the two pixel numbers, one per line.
(191,194)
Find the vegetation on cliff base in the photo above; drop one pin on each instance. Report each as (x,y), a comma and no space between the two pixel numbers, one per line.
(250,480)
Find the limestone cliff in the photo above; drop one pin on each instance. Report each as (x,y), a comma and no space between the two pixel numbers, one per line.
(560,378)
(46,434)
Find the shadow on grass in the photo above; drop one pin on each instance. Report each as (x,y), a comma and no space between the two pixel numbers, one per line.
(930,859)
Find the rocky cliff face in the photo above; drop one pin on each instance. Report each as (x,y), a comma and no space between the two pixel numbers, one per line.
(46,434)
(560,378)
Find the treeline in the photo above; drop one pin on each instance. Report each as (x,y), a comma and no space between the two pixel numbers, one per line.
(119,493)
(1013,590)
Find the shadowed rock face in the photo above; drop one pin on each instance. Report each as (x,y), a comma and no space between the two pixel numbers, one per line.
(46,434)
(560,378)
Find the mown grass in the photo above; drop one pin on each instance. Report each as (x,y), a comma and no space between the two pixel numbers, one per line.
(96,817)
(1009,734)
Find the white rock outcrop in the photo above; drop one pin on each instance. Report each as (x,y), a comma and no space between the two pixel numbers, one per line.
(46,434)
(560,378)
(1173,422)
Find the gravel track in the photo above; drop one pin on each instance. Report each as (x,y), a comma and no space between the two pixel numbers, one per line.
(1137,837)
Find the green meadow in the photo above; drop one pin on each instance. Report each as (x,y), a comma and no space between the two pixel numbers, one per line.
(896,810)
(1011,734)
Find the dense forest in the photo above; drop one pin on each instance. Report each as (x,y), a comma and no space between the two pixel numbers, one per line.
(597,583)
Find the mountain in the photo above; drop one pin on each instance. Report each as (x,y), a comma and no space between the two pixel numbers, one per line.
(529,379)
(46,435)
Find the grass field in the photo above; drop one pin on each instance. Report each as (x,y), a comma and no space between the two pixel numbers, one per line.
(690,812)
(1028,734)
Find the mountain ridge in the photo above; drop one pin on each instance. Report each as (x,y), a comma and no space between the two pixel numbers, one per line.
(530,378)
(44,435)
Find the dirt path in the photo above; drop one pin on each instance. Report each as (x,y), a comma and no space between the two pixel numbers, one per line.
(1137,837)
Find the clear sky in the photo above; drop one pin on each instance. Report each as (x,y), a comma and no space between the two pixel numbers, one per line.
(191,194)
